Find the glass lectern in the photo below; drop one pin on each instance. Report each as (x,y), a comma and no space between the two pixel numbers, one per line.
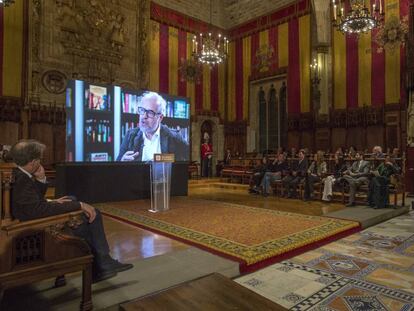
(161,181)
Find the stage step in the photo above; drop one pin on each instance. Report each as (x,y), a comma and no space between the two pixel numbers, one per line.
(220,185)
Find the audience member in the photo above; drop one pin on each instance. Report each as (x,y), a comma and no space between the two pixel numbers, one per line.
(315,173)
(28,202)
(395,153)
(352,151)
(298,172)
(377,152)
(258,173)
(227,157)
(339,168)
(356,175)
(378,193)
(274,173)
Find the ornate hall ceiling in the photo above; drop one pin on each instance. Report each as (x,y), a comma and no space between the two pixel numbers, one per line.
(226,13)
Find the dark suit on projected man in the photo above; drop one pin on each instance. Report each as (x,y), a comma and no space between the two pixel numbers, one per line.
(140,144)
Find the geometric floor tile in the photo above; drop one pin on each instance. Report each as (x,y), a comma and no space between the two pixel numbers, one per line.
(343,265)
(364,303)
(369,270)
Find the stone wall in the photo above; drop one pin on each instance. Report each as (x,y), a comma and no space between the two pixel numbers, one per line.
(97,41)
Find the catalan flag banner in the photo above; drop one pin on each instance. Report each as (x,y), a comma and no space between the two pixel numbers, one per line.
(364,72)
(11,42)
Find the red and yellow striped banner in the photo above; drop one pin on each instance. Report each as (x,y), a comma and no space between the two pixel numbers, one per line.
(363,74)
(11,47)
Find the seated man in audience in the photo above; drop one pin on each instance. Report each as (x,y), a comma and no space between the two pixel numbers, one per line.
(356,175)
(377,152)
(395,153)
(28,202)
(297,174)
(315,173)
(378,187)
(258,173)
(275,172)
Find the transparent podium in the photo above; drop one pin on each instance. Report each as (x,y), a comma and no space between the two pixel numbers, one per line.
(161,181)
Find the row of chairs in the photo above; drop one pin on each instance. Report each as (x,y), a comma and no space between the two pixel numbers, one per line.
(341,190)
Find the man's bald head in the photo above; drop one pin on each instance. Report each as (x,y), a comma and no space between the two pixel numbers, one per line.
(27,150)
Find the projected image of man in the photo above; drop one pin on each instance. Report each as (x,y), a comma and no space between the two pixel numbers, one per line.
(140,144)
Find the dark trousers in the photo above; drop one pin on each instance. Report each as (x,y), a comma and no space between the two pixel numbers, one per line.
(205,167)
(256,179)
(94,234)
(378,192)
(310,180)
(290,184)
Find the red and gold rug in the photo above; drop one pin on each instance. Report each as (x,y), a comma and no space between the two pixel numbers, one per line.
(255,237)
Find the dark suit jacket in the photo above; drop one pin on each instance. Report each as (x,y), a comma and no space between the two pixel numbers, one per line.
(171,142)
(28,199)
(301,167)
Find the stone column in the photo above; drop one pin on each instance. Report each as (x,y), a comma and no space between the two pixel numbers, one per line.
(321,42)
(143,68)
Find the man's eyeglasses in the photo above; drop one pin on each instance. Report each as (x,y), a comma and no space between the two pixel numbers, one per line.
(149,113)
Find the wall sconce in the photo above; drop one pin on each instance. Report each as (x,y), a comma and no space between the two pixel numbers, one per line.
(315,76)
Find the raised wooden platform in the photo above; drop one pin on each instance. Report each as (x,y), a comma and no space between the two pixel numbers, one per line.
(212,292)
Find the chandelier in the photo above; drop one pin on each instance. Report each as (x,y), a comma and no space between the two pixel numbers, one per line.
(210,48)
(6,2)
(358,19)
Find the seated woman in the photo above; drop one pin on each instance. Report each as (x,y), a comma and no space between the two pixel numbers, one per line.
(339,168)
(275,172)
(316,171)
(378,191)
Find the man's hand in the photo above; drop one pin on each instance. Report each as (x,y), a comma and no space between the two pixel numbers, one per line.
(89,211)
(129,156)
(40,173)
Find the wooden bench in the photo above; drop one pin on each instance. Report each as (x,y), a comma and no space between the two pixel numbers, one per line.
(193,170)
(39,249)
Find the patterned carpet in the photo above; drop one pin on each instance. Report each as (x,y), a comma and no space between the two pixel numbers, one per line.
(254,237)
(370,270)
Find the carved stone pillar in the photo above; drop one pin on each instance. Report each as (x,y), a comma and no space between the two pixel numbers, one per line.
(143,44)
(321,38)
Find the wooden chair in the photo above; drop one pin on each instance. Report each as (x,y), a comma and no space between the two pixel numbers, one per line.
(35,250)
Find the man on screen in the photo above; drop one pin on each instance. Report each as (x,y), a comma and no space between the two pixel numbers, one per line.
(151,136)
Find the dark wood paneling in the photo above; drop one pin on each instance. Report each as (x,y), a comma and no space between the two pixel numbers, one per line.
(375,137)
(43,132)
(322,139)
(338,138)
(360,127)
(9,132)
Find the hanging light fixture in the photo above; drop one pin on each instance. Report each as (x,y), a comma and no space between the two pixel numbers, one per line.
(6,2)
(210,48)
(358,19)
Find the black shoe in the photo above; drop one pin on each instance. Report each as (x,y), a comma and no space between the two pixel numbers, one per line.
(350,204)
(103,275)
(115,266)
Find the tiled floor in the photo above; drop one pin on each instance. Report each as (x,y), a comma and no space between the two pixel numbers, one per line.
(371,270)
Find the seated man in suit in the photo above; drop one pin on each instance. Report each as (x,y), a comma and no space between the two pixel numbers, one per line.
(28,202)
(297,174)
(140,144)
(356,175)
